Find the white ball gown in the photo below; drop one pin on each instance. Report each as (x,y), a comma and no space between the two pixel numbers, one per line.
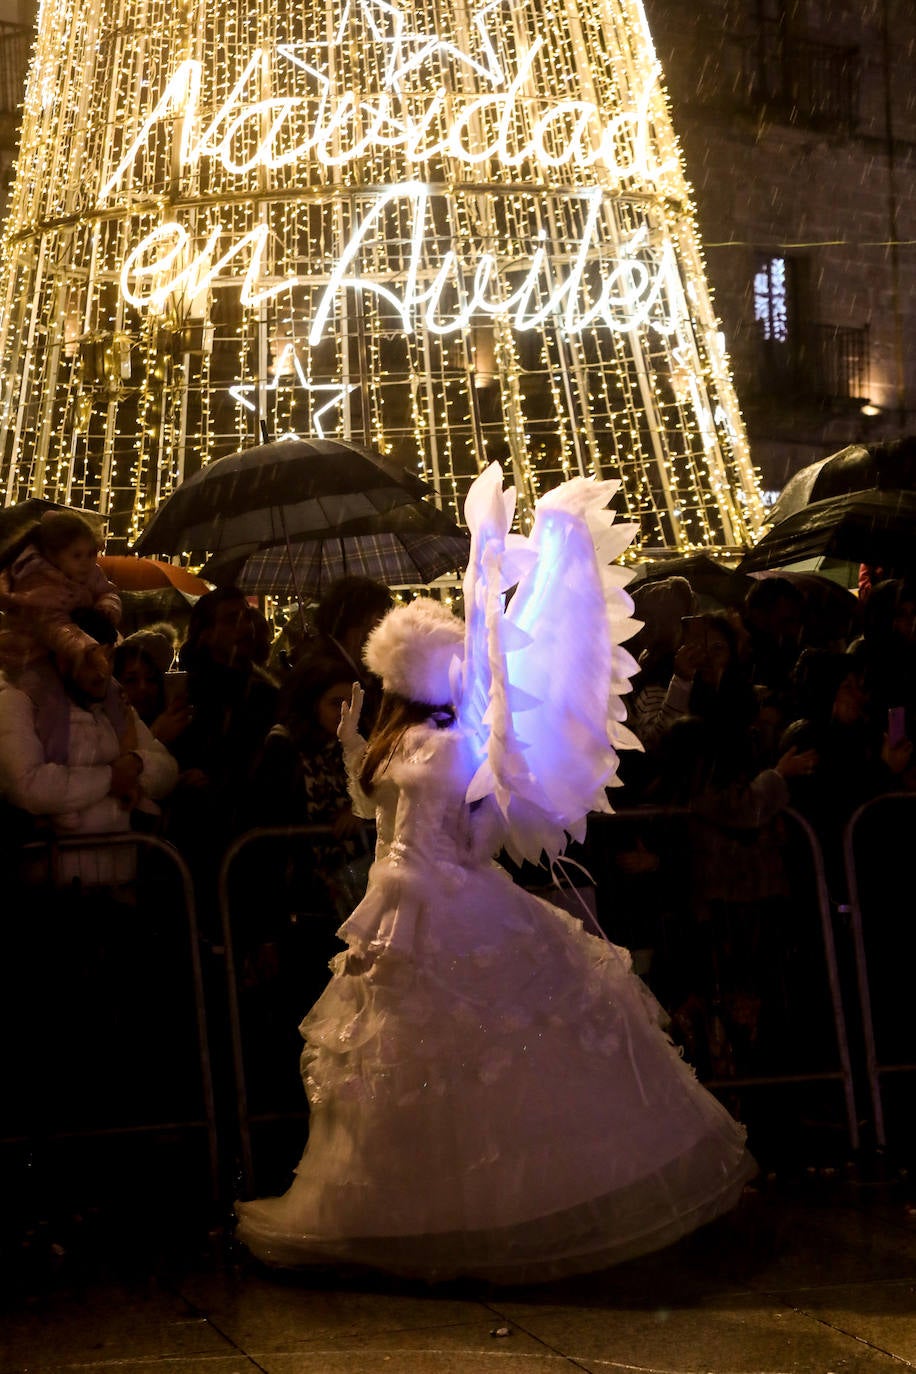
(491,1092)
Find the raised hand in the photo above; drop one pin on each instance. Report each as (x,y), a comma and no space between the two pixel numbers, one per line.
(795,765)
(348,729)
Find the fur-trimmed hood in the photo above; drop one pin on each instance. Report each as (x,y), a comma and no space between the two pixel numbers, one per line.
(413,648)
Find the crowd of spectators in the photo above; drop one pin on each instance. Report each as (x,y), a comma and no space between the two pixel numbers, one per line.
(752,708)
(797,700)
(797,695)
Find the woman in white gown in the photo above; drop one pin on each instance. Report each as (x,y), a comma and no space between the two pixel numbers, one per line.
(491,1093)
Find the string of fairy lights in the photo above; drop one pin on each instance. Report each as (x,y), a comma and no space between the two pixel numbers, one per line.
(454,233)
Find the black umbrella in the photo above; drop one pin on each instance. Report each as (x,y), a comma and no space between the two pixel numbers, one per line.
(711,581)
(857,467)
(412,545)
(292,515)
(288,489)
(861,527)
(832,610)
(18,521)
(22,513)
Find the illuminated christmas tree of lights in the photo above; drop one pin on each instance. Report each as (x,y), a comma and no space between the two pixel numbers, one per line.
(451,233)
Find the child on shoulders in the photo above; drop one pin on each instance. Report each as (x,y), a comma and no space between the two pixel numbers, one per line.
(56,572)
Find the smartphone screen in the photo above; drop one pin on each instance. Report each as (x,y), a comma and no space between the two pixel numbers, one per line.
(896,725)
(175,684)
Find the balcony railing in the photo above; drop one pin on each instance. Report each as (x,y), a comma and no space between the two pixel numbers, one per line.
(821,364)
(837,362)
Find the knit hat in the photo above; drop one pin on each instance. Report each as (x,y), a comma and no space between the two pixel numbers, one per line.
(156,647)
(413,648)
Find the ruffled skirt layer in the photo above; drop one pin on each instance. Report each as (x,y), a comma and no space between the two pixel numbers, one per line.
(491,1095)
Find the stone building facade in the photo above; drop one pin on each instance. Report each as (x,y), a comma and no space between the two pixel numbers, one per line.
(17,18)
(797,119)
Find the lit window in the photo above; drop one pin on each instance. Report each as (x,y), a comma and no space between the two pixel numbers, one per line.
(770,300)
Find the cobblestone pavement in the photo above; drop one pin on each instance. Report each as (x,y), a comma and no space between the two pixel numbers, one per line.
(816,1277)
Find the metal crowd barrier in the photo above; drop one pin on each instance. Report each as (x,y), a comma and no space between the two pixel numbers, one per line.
(843,1074)
(824,937)
(53,855)
(244,1117)
(876,1065)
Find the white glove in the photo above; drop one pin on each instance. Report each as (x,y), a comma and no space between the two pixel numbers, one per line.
(348,729)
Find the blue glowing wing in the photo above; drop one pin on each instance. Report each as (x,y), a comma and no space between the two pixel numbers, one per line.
(498,561)
(543,680)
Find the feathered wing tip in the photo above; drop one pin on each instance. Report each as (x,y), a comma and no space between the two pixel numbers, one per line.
(542,683)
(488,509)
(498,560)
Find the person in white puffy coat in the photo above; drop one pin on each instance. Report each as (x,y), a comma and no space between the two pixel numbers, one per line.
(88,780)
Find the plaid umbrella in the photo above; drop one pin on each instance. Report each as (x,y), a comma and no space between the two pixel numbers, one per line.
(307,567)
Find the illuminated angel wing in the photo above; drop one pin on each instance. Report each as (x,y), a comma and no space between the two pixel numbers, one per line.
(541,683)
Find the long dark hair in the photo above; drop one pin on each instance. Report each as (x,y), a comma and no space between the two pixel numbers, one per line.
(203,618)
(349,601)
(302,691)
(396,716)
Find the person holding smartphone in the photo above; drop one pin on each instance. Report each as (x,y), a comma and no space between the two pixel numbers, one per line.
(159,696)
(705,665)
(661,692)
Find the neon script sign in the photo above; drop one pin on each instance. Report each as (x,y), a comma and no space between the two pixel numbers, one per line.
(635,290)
(509,125)
(349,127)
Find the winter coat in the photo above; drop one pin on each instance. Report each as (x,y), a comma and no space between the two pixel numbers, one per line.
(75,796)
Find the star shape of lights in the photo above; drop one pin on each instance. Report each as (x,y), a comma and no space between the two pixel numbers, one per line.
(408,47)
(338,390)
